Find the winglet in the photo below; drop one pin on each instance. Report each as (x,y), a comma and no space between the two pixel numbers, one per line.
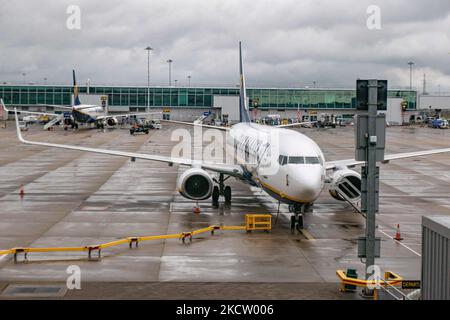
(19,134)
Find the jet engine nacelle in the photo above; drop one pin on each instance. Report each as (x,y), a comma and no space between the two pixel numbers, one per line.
(347,182)
(195,184)
(112,121)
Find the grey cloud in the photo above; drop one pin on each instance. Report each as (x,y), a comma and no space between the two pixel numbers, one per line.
(287,43)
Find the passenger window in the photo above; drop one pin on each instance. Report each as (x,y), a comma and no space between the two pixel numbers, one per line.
(296,160)
(311,160)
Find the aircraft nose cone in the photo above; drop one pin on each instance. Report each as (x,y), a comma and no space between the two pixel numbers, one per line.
(308,184)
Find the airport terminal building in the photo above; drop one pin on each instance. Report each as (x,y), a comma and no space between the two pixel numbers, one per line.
(188,103)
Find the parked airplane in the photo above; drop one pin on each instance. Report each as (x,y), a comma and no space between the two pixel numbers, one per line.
(84,113)
(296,177)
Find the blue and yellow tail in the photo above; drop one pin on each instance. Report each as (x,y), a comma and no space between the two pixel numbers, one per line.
(243,108)
(76,99)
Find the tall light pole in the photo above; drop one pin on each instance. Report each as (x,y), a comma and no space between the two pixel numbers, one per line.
(148,76)
(175,82)
(170,71)
(410,74)
(189,80)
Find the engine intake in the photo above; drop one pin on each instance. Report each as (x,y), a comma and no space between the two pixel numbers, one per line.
(195,184)
(112,121)
(346,182)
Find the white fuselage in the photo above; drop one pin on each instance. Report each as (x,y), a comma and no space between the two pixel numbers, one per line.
(288,165)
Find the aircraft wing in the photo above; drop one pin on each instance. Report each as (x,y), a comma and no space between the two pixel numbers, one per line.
(127,115)
(29,112)
(55,106)
(295,124)
(229,169)
(396,156)
(198,124)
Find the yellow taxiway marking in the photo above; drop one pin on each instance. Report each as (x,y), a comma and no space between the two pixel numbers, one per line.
(307,235)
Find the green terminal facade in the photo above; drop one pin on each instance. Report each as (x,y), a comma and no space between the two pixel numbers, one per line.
(195,97)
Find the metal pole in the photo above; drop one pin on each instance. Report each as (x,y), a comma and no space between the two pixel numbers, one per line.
(148,77)
(189,80)
(170,71)
(371,170)
(410,74)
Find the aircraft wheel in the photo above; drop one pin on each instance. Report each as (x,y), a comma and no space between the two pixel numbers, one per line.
(293,223)
(215,196)
(76,125)
(299,225)
(227,194)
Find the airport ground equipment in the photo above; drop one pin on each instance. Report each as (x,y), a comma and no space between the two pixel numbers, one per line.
(54,121)
(435,283)
(258,222)
(439,123)
(391,279)
(252,222)
(138,128)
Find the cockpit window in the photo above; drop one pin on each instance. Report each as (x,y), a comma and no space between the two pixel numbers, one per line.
(296,160)
(312,160)
(282,160)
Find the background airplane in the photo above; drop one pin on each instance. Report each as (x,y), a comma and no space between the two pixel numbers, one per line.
(296,174)
(84,113)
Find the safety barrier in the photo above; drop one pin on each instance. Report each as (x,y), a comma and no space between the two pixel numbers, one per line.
(136,240)
(390,279)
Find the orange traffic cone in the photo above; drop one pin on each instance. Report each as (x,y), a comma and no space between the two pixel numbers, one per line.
(196,208)
(398,236)
(21,191)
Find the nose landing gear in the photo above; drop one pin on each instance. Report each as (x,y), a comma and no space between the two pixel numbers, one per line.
(221,190)
(298,211)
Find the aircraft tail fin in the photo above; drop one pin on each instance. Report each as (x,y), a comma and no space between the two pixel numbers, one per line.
(3,109)
(76,99)
(243,108)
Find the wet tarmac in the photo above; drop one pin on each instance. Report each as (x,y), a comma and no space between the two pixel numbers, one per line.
(75,199)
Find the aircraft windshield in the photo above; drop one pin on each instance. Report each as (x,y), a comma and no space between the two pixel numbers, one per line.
(312,160)
(282,160)
(296,160)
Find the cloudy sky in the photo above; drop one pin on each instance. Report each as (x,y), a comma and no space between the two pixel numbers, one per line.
(287,43)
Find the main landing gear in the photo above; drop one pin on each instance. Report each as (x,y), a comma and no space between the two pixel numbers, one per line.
(71,123)
(221,190)
(297,219)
